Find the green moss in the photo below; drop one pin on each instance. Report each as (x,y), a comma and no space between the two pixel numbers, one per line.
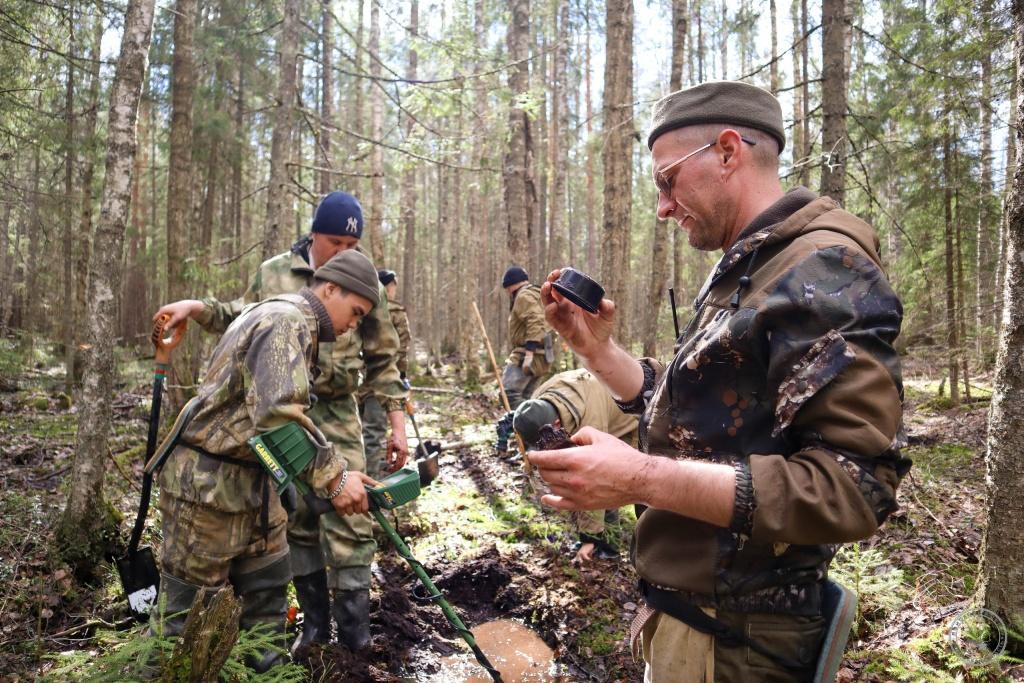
(43,426)
(85,544)
(940,461)
(604,633)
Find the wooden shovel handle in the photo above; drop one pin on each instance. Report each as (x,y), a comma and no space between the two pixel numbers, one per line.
(164,345)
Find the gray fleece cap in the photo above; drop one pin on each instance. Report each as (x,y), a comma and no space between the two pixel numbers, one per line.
(353,272)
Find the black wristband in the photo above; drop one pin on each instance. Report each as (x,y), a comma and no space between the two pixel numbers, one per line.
(639,404)
(743,508)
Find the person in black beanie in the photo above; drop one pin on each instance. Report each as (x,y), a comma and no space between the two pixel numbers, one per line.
(529,362)
(330,555)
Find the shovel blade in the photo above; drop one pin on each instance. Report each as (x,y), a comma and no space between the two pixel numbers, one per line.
(140,580)
(427,453)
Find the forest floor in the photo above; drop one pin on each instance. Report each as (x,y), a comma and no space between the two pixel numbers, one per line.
(493,551)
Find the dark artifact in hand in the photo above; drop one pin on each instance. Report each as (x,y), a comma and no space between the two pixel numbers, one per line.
(579,289)
(553,438)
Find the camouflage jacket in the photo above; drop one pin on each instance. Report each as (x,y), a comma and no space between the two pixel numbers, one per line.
(790,377)
(367,354)
(258,379)
(582,401)
(527,328)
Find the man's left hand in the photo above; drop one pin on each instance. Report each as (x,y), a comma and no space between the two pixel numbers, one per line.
(398,445)
(600,473)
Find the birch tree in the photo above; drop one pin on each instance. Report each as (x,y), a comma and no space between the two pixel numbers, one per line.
(88,521)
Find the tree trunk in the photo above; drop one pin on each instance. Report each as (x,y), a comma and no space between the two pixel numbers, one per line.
(278,201)
(618,158)
(520,190)
(805,96)
(983,298)
(88,522)
(179,182)
(680,26)
(797,142)
(835,23)
(1001,573)
(1011,164)
(591,191)
(374,218)
(410,271)
(179,175)
(89,155)
(774,74)
(326,97)
(952,336)
(68,333)
(559,142)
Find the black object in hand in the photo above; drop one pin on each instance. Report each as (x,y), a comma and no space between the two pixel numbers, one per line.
(579,289)
(553,438)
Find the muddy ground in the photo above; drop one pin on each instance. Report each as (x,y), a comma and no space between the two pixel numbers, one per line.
(492,550)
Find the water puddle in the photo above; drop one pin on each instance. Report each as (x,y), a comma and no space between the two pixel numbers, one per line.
(513,649)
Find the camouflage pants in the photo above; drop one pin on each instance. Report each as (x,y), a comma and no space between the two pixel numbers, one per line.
(518,384)
(206,547)
(675,652)
(375,431)
(343,544)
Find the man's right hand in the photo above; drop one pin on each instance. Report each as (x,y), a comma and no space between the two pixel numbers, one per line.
(353,499)
(584,332)
(179,311)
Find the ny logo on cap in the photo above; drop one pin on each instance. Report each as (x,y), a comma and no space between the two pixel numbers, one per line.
(353,225)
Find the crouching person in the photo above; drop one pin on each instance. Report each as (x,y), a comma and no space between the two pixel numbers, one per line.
(222,520)
(573,400)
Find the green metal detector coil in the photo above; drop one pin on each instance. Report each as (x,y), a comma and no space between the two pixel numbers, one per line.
(397,488)
(283,452)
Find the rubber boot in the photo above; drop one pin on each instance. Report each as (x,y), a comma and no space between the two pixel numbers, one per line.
(176,598)
(264,595)
(315,604)
(351,611)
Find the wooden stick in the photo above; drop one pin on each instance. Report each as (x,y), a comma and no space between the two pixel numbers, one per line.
(504,397)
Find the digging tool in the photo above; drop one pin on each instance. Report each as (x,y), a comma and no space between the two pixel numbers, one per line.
(137,569)
(504,396)
(395,490)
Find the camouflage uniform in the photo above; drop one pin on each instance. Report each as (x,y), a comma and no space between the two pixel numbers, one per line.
(375,419)
(222,521)
(369,351)
(790,376)
(581,400)
(527,330)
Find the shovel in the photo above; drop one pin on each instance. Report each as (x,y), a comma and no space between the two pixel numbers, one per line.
(137,569)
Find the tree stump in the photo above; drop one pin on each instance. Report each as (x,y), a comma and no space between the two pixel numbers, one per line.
(210,633)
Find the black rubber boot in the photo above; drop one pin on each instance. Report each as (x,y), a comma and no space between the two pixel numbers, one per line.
(351,611)
(176,597)
(264,596)
(315,604)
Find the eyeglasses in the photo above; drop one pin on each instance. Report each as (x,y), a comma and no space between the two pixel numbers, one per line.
(663,181)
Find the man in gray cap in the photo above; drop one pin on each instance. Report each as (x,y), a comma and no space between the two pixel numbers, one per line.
(774,433)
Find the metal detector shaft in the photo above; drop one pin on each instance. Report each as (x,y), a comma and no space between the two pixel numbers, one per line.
(434,594)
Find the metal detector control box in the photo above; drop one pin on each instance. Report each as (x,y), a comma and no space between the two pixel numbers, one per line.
(396,489)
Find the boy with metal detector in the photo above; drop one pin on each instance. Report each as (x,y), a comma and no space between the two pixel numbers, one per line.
(221,522)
